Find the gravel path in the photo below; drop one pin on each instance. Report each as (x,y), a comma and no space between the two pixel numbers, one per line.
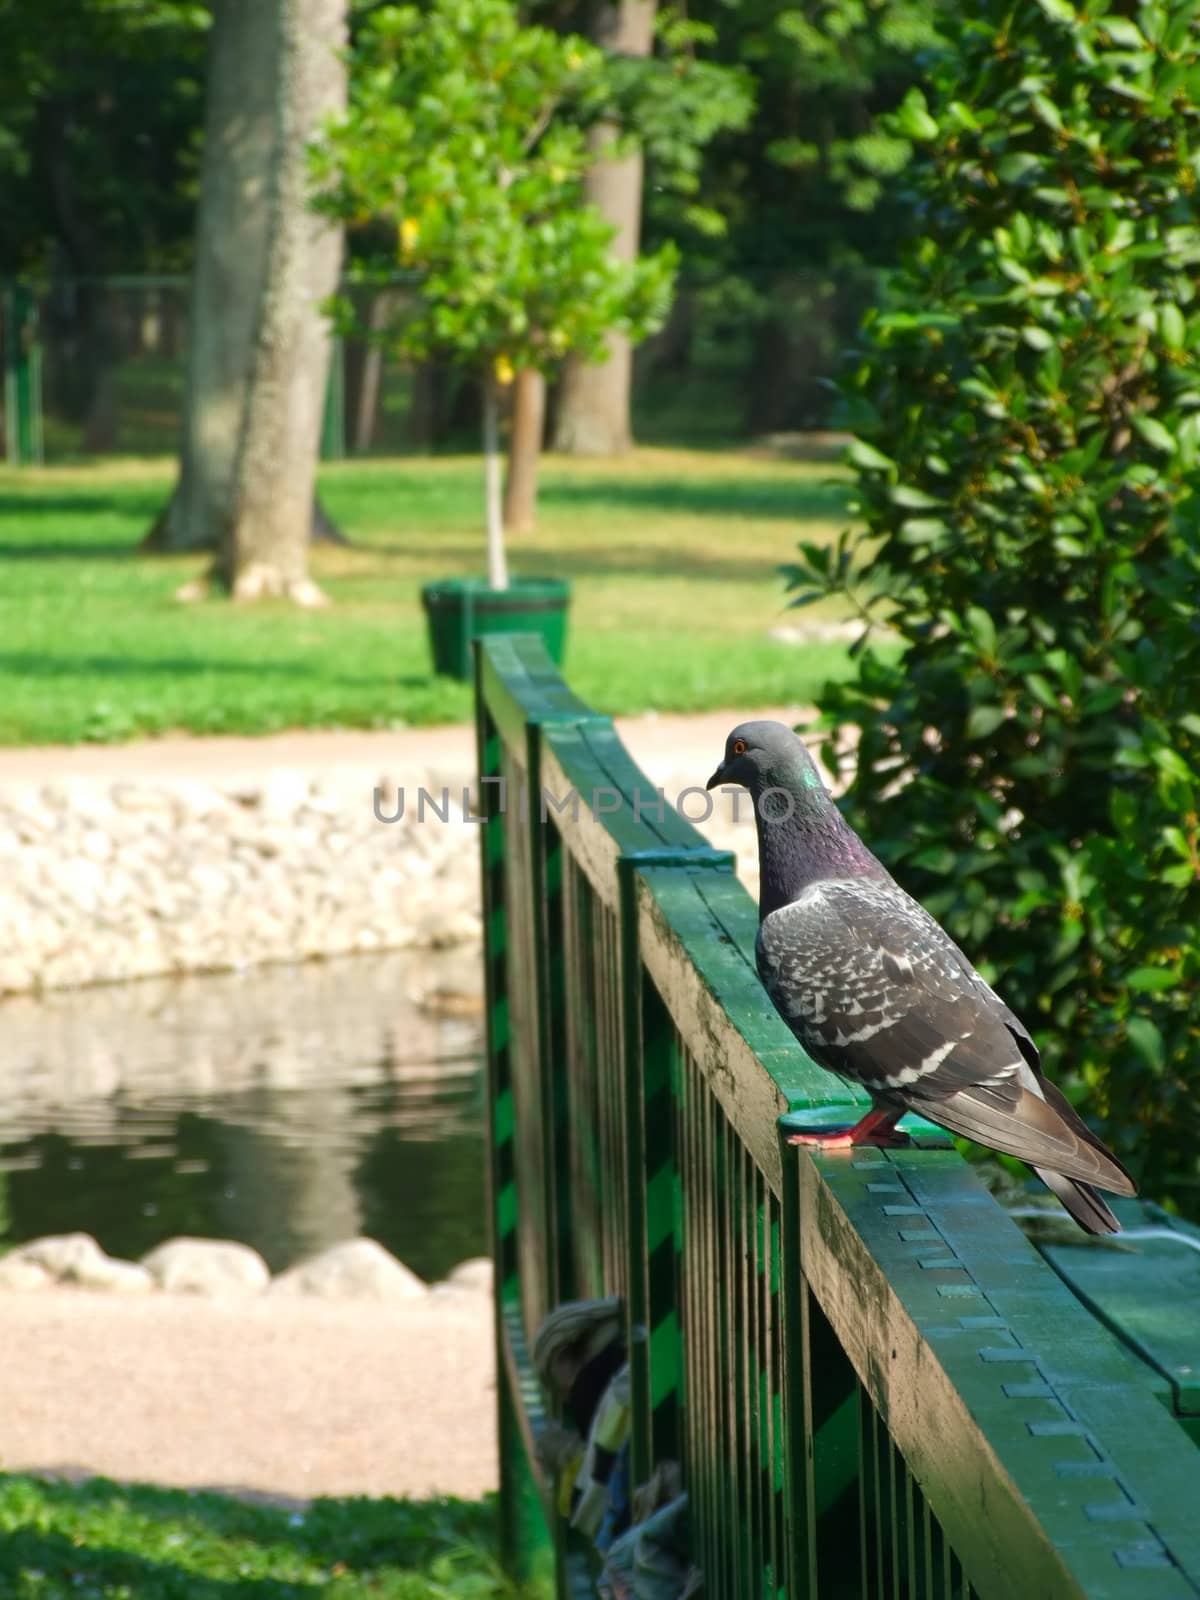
(277,1397)
(672,741)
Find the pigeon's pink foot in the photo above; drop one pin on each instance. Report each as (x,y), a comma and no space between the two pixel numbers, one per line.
(876,1128)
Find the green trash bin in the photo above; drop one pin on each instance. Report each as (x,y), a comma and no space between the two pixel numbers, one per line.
(461,609)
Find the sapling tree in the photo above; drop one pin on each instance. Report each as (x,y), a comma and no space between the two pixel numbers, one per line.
(464,135)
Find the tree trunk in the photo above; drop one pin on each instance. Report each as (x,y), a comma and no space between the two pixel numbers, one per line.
(524,448)
(420,425)
(368,375)
(103,347)
(594,400)
(264,550)
(497,565)
(266,538)
(229,277)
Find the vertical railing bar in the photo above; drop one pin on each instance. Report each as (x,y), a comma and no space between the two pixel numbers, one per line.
(864,1499)
(708,1309)
(883,1442)
(779,1480)
(891,1551)
(799,1507)
(899,1555)
(694,1233)
(744,1333)
(736,1354)
(931,1588)
(694,1236)
(912,1495)
(716,1268)
(762,1378)
(725,1367)
(736,1334)
(760,1438)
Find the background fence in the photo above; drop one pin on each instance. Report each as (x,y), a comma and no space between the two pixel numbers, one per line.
(96,366)
(874,1383)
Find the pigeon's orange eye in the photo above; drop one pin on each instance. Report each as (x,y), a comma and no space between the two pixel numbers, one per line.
(739,747)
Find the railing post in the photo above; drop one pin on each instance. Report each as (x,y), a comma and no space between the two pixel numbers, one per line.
(22,378)
(519,1525)
(653,1319)
(545,868)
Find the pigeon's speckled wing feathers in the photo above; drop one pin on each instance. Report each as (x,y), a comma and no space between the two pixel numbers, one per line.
(876,991)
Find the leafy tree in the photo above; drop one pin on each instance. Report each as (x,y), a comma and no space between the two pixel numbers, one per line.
(1028,415)
(810,189)
(456,140)
(99,110)
(95,172)
(663,105)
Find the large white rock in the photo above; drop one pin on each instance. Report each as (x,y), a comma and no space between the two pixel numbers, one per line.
(359,1269)
(473,1274)
(63,1255)
(17,1273)
(113,1276)
(207,1266)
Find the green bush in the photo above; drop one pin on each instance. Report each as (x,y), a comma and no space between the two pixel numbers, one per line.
(1027,410)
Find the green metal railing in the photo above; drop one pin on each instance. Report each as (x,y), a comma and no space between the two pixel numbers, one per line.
(874,1384)
(22,364)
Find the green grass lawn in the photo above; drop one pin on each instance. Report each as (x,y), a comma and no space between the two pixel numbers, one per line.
(672,554)
(104,1541)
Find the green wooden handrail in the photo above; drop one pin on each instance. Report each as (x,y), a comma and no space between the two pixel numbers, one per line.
(873,1382)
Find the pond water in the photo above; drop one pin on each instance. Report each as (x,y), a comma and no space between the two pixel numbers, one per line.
(286,1107)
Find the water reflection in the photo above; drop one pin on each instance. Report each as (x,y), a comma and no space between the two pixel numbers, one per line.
(288,1107)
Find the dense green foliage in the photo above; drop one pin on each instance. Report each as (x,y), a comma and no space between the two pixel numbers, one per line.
(107,1541)
(670,105)
(765,166)
(1028,411)
(456,138)
(810,194)
(100,109)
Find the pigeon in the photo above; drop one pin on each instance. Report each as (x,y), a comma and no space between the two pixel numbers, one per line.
(876,991)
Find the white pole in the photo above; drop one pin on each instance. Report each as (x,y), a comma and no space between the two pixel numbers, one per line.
(497,565)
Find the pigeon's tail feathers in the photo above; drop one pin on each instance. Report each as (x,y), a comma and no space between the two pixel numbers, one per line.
(1059,1103)
(1081,1200)
(1045,1132)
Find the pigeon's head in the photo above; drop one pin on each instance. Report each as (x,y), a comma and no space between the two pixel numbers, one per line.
(768,755)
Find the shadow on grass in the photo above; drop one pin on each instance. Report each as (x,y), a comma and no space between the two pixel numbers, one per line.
(65,550)
(125,499)
(774,498)
(75,1529)
(467,558)
(32,665)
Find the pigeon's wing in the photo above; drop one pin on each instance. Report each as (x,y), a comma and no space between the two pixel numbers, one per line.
(1009,1017)
(874,989)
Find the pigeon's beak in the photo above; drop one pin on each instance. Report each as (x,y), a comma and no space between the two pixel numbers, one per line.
(717,777)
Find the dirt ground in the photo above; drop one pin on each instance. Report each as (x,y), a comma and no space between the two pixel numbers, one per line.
(678,744)
(273,1396)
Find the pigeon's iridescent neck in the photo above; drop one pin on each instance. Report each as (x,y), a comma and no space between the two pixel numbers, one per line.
(811,845)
